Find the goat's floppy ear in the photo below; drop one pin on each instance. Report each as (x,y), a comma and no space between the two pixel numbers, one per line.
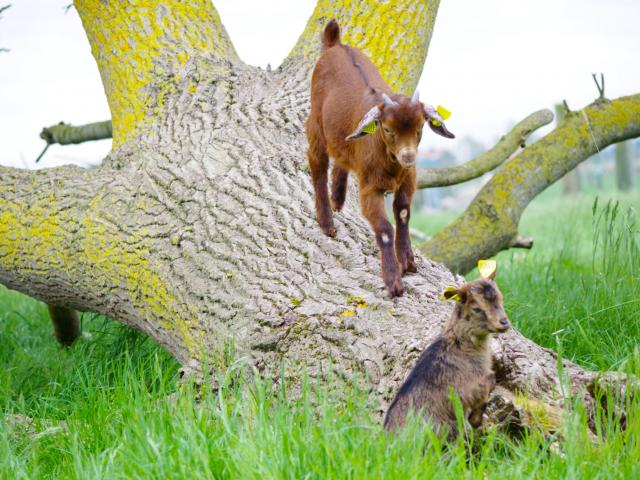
(368,124)
(436,120)
(454,293)
(487,269)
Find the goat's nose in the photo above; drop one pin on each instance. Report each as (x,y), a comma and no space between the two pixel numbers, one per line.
(407,156)
(504,321)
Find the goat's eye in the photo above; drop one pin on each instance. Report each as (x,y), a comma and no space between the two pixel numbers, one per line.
(477,310)
(388,131)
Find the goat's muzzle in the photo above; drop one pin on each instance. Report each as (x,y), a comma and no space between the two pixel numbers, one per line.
(407,157)
(503,325)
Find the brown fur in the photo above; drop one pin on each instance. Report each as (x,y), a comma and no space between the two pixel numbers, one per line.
(345,85)
(459,359)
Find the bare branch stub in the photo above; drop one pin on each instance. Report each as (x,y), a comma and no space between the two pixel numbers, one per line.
(522,242)
(599,85)
(66,134)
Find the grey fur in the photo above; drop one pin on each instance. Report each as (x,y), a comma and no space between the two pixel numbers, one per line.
(459,359)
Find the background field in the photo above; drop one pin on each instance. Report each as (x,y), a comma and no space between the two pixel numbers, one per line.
(577,292)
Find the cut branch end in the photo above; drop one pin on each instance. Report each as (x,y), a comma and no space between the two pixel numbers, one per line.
(522,242)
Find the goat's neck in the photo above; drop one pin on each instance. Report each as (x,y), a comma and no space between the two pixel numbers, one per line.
(457,331)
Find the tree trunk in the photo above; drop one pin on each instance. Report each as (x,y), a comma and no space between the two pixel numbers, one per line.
(624,171)
(199,228)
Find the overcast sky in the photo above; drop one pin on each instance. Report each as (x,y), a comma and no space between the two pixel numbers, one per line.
(491,62)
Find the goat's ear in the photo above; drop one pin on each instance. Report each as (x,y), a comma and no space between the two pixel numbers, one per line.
(455,294)
(436,122)
(367,125)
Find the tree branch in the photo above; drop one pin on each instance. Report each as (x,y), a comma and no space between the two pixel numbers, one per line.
(398,47)
(442,177)
(66,134)
(77,239)
(490,223)
(141,52)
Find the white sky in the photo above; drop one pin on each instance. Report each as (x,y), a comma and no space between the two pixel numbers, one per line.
(491,62)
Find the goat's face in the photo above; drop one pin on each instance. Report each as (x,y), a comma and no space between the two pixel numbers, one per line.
(401,120)
(481,307)
(401,125)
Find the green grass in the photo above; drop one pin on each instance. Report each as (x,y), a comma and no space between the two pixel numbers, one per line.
(577,291)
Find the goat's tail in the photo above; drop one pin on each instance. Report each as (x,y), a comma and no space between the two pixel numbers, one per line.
(331,35)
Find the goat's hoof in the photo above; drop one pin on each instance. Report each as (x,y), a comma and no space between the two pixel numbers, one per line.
(329,231)
(336,206)
(396,289)
(411,266)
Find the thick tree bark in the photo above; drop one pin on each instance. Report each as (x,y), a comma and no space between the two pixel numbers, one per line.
(199,228)
(490,223)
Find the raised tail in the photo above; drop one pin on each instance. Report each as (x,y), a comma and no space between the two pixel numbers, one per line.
(331,35)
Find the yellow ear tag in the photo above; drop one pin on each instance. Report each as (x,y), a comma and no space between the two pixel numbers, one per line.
(444,113)
(455,297)
(370,127)
(487,268)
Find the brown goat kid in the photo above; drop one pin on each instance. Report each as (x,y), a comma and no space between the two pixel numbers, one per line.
(459,360)
(349,101)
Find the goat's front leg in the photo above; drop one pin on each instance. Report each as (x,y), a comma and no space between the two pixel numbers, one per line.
(475,416)
(319,164)
(484,389)
(402,213)
(373,209)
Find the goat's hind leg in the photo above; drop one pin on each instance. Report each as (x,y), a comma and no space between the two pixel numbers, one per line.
(319,164)
(339,178)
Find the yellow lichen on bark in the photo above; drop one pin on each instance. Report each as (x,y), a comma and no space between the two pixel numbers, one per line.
(126,261)
(43,236)
(140,47)
(28,233)
(398,47)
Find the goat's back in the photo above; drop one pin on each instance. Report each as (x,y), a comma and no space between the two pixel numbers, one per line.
(341,90)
